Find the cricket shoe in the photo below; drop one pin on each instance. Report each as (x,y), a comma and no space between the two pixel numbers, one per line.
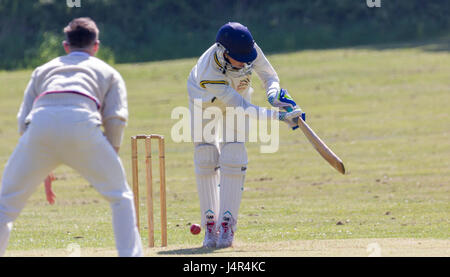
(211,235)
(226,236)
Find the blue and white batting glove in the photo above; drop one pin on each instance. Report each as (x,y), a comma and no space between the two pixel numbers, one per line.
(283,100)
(294,123)
(291,118)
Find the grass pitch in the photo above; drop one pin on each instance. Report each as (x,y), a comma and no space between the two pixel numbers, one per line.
(383,110)
(388,247)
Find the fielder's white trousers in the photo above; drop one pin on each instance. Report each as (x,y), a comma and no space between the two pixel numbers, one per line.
(71,136)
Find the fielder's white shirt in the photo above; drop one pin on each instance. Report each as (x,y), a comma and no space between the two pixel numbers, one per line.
(88,76)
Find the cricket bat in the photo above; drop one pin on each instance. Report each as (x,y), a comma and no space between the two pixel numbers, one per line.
(321,147)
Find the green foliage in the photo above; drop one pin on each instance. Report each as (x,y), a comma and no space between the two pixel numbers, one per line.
(106,54)
(137,30)
(49,48)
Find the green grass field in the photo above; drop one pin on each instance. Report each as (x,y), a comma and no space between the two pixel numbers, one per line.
(384,111)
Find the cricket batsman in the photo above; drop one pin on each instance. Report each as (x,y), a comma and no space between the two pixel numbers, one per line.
(65,104)
(222,79)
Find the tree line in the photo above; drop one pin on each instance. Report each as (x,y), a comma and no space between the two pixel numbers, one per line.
(138,30)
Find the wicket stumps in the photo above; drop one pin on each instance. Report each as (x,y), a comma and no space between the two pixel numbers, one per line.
(149,181)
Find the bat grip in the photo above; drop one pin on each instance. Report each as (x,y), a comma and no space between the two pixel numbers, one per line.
(289,109)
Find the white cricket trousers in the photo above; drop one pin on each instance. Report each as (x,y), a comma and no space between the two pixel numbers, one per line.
(72,136)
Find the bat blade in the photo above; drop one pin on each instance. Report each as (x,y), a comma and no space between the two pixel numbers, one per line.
(321,147)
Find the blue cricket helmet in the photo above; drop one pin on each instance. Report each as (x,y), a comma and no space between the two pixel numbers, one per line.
(238,41)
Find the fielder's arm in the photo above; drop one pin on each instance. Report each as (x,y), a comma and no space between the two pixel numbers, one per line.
(115,111)
(27,104)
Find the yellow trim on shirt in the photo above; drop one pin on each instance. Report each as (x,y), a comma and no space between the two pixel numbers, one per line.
(217,61)
(219,82)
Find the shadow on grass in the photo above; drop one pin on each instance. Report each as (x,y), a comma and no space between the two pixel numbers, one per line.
(188,251)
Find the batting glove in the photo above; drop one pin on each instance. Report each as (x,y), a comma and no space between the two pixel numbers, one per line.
(291,118)
(283,100)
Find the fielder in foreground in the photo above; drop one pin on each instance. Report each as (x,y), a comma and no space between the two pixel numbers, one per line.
(221,79)
(65,103)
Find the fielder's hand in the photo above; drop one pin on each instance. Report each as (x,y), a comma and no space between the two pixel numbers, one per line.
(48,188)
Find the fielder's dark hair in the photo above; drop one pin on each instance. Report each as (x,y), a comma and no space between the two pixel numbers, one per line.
(81,32)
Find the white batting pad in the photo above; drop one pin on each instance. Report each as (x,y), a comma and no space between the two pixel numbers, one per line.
(206,160)
(233,166)
(5,230)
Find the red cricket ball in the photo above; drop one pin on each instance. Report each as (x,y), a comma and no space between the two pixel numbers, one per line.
(195,229)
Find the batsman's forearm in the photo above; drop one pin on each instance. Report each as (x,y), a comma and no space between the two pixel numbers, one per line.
(266,73)
(233,99)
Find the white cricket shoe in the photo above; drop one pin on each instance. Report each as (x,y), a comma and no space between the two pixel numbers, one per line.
(211,235)
(226,236)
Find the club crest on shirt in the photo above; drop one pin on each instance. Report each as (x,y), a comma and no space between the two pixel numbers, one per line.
(244,84)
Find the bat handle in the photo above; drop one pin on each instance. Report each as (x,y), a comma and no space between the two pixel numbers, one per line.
(289,109)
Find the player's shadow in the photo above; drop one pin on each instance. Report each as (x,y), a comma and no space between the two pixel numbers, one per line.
(188,251)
